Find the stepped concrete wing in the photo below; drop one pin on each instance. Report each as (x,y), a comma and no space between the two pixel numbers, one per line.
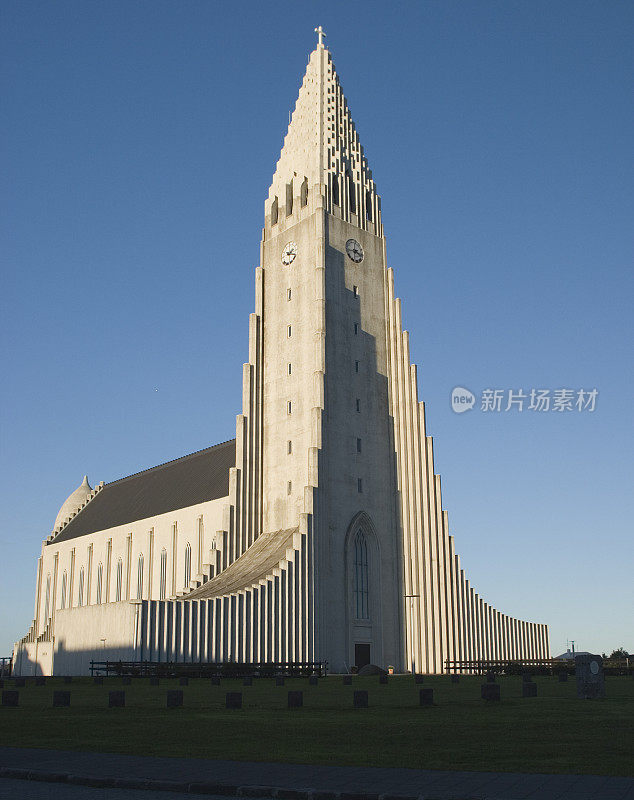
(256,563)
(189,480)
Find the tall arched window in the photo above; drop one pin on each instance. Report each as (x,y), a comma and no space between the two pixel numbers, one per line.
(335,190)
(119,579)
(64,584)
(303,193)
(188,565)
(361,576)
(352,193)
(99,581)
(139,578)
(47,600)
(163,576)
(80,595)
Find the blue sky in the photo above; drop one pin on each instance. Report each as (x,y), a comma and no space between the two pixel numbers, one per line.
(138,146)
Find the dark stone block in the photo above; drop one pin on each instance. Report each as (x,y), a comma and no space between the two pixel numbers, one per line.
(98,680)
(490,691)
(215,680)
(455,678)
(10,697)
(68,678)
(116,699)
(248,681)
(490,677)
(360,699)
(563,677)
(347,680)
(174,698)
(279,681)
(19,683)
(529,689)
(383,679)
(61,699)
(295,699)
(426,696)
(154,681)
(313,680)
(233,700)
(40,680)
(418,678)
(126,680)
(184,681)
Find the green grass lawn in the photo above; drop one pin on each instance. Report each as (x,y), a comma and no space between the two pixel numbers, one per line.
(554,732)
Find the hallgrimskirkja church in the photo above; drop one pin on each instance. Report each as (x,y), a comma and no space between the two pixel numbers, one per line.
(316,534)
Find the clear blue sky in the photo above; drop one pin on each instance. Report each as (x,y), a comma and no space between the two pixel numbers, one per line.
(139,140)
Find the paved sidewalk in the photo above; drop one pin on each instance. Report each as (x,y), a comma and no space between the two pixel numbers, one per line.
(201,776)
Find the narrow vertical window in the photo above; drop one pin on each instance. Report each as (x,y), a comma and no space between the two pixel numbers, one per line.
(80,595)
(99,582)
(352,193)
(274,212)
(289,199)
(335,190)
(188,565)
(358,404)
(64,585)
(119,580)
(360,485)
(358,445)
(289,487)
(361,576)
(139,578)
(290,331)
(289,447)
(163,575)
(356,328)
(356,366)
(47,601)
(368,205)
(290,368)
(355,291)
(289,408)
(304,193)
(288,294)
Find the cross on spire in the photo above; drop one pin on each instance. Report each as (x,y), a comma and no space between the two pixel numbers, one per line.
(320,32)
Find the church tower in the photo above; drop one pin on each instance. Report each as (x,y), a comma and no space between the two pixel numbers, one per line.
(318,535)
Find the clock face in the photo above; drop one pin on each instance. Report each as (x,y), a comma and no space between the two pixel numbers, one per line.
(354,250)
(288,253)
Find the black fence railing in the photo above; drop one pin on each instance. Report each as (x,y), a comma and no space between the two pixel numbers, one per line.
(545,666)
(227,669)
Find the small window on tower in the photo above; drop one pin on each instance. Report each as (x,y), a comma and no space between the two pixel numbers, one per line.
(358,405)
(304,193)
(355,291)
(289,199)
(368,205)
(335,190)
(288,294)
(290,331)
(289,447)
(289,407)
(290,368)
(356,328)
(274,212)
(356,366)
(289,487)
(360,485)
(358,445)
(352,193)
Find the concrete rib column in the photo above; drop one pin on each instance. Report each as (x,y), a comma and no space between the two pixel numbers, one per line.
(426,540)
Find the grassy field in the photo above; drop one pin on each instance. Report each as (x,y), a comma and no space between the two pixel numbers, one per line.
(554,732)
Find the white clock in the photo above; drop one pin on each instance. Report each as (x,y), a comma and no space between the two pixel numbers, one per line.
(354,251)
(288,253)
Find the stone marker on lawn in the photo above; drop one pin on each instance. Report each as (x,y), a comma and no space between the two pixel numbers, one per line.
(589,676)
(233,700)
(295,699)
(116,699)
(490,691)
(426,696)
(174,698)
(360,699)
(10,697)
(61,699)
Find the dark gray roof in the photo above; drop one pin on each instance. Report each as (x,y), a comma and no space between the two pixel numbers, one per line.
(184,482)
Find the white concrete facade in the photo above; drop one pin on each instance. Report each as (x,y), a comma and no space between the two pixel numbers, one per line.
(332,543)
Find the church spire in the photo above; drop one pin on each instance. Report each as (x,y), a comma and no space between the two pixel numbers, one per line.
(322,149)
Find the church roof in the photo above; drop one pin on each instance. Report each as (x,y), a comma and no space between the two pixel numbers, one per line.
(189,480)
